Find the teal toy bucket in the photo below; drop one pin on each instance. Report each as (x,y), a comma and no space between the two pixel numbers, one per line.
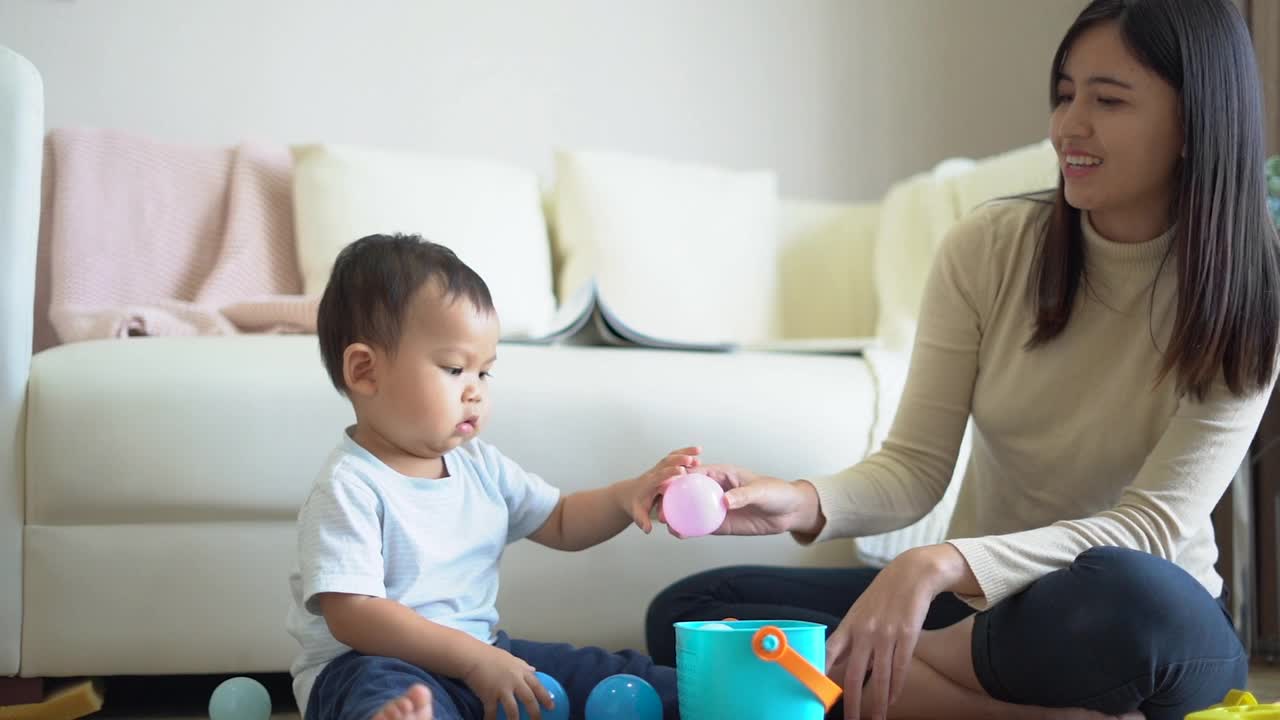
(749,669)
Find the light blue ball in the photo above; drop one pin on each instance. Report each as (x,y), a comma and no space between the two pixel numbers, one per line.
(624,697)
(558,696)
(240,698)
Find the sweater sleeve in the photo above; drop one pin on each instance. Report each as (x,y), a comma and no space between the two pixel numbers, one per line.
(1168,502)
(908,475)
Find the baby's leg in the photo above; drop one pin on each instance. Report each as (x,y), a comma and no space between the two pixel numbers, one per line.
(413,705)
(366,687)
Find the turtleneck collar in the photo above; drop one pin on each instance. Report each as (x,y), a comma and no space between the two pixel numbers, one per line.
(1110,257)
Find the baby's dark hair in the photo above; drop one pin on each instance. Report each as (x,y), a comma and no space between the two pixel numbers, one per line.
(369,290)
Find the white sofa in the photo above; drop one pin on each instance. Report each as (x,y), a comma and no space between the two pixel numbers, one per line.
(148,487)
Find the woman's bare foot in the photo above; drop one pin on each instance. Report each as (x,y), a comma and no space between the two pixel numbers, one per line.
(1078,714)
(413,705)
(948,685)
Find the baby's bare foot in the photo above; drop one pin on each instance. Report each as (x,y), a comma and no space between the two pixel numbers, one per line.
(413,705)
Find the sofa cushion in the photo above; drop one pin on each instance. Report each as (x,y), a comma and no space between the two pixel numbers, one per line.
(190,430)
(487,213)
(917,213)
(678,251)
(165,474)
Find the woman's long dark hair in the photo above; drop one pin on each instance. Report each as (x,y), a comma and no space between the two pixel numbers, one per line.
(1225,247)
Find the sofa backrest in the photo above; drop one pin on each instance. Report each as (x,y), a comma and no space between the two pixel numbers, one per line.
(826,269)
(917,213)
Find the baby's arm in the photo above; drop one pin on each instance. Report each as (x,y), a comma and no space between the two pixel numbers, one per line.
(589,517)
(378,626)
(386,628)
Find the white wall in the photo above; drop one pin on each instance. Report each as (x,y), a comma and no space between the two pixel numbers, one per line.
(840,96)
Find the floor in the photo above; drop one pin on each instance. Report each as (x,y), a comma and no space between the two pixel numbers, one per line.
(164,698)
(187,697)
(1264,682)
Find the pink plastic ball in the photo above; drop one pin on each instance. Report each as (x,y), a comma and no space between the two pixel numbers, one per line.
(693,505)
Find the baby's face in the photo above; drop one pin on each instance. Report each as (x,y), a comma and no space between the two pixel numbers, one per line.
(434,394)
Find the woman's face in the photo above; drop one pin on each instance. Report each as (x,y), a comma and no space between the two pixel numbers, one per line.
(1118,132)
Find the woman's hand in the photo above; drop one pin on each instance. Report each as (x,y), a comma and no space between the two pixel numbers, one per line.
(499,678)
(871,650)
(762,505)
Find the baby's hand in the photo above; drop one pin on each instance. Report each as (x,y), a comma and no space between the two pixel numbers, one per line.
(500,678)
(641,494)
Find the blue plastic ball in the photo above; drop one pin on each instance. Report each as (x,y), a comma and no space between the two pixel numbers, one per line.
(240,698)
(558,696)
(624,697)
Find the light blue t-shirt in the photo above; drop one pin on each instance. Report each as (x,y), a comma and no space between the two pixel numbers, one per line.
(432,545)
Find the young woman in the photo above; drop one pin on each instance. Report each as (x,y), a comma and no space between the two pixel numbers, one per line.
(1115,344)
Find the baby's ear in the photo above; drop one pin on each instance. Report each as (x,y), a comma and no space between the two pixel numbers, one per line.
(359,369)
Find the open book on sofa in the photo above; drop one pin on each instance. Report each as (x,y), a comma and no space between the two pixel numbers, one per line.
(587,318)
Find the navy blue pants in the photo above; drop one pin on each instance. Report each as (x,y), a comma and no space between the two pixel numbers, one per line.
(355,686)
(1118,630)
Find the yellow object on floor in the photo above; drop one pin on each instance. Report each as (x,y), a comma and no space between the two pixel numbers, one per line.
(1238,704)
(69,702)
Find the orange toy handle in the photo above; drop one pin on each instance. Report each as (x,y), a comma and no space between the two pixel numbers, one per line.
(770,644)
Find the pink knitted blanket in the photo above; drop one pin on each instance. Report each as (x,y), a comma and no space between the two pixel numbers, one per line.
(140,237)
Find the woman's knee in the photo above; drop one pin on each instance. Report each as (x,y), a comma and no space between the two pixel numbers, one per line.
(1139,603)
(685,599)
(1136,583)
(1125,627)
(688,594)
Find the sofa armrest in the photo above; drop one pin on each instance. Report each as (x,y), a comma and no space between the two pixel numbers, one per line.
(826,284)
(21,153)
